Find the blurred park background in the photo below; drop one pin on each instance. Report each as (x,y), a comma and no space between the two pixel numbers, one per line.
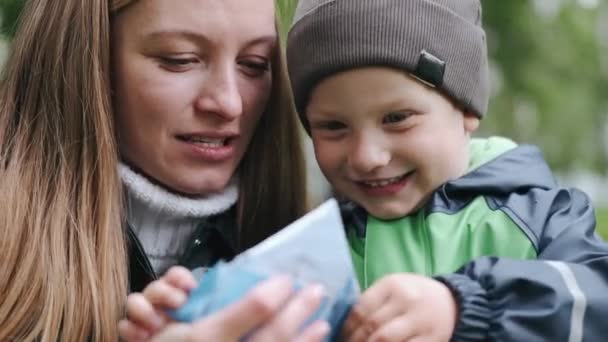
(549,73)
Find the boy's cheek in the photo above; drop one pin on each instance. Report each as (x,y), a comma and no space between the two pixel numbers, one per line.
(329,158)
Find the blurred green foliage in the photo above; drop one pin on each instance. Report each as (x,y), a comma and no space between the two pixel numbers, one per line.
(552,86)
(9,14)
(602,222)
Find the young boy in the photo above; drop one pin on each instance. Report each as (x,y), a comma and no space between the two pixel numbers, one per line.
(390,92)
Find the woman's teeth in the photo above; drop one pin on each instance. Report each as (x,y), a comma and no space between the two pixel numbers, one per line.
(207,142)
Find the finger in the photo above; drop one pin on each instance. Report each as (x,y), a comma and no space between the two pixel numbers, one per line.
(130,332)
(141,312)
(372,300)
(352,323)
(257,307)
(425,338)
(316,332)
(401,328)
(361,333)
(383,315)
(181,278)
(162,295)
(177,332)
(285,325)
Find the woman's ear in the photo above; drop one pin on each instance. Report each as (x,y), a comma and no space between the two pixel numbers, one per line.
(470,122)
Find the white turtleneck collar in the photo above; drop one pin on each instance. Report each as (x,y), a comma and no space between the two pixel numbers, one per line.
(163,221)
(159,199)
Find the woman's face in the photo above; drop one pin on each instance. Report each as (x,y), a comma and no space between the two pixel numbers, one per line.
(191,79)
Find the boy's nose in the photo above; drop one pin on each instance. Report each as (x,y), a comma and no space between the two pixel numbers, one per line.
(220,94)
(368,156)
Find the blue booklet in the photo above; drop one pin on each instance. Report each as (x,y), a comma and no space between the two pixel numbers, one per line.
(313,249)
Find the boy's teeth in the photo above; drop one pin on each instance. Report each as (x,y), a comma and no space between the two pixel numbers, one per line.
(383,182)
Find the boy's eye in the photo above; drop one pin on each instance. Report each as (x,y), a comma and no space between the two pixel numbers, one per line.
(330,125)
(395,117)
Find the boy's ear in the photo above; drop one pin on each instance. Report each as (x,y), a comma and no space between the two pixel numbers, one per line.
(471,122)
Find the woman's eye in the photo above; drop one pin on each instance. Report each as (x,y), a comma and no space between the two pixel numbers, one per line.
(177,63)
(396,117)
(255,68)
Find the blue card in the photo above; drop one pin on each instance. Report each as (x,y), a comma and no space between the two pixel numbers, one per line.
(313,249)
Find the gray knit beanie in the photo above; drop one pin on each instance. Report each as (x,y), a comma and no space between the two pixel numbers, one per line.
(440,42)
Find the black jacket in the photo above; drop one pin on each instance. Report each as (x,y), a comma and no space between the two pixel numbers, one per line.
(214,239)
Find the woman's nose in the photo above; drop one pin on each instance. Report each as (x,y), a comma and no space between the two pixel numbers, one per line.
(221,94)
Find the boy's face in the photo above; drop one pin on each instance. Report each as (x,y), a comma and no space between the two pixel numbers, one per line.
(386,141)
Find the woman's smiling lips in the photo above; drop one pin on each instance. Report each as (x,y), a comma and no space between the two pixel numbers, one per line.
(209,147)
(384,186)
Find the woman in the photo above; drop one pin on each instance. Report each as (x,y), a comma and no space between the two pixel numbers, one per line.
(191,106)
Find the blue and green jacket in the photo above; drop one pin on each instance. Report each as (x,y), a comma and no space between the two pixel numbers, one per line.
(519,252)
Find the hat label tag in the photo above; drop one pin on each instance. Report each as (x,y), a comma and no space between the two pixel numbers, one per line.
(430,70)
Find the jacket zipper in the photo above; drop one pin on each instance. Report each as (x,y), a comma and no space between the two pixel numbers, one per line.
(142,257)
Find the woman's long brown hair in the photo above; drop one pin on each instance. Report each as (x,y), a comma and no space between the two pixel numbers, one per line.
(273,172)
(63,257)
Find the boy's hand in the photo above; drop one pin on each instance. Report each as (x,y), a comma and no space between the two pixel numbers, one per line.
(403,307)
(145,311)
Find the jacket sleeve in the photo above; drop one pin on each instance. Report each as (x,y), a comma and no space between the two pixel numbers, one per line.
(560,296)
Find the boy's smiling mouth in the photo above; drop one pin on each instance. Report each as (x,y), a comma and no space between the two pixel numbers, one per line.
(385,186)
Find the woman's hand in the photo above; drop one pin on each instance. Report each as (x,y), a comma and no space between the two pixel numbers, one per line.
(146,311)
(269,311)
(267,307)
(403,307)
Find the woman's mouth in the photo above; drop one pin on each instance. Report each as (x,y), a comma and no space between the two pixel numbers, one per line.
(205,141)
(208,149)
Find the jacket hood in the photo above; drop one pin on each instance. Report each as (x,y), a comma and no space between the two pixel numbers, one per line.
(499,166)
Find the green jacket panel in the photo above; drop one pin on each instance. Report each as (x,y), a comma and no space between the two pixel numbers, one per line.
(438,243)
